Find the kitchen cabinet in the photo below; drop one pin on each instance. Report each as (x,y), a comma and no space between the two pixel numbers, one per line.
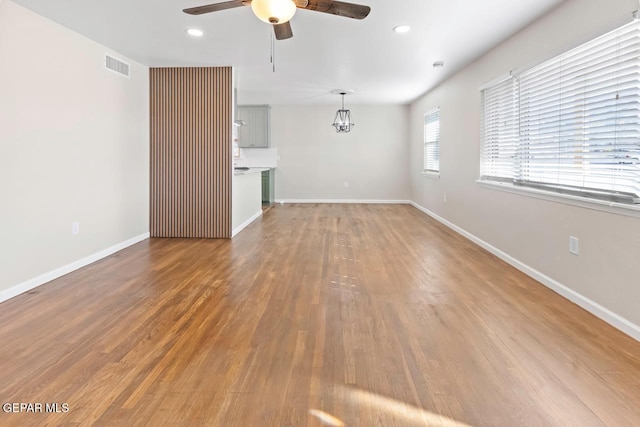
(256,131)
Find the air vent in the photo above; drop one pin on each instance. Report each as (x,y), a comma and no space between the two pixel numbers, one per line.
(117,66)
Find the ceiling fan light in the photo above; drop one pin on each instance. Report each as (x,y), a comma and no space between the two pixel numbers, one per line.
(274,11)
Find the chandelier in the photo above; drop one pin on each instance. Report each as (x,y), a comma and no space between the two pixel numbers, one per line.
(342,121)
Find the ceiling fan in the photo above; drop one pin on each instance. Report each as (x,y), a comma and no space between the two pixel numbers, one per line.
(279,12)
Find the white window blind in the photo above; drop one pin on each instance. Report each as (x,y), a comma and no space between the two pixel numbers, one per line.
(571,124)
(499,130)
(432,141)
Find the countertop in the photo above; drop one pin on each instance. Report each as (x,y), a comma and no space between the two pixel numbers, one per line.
(250,171)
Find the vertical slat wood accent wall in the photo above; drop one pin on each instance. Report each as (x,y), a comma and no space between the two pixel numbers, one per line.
(191,166)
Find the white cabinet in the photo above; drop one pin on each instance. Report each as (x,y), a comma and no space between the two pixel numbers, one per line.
(256,132)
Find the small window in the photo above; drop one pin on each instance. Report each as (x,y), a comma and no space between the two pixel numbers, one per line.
(432,141)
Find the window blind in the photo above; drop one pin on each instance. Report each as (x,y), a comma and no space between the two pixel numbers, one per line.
(432,141)
(577,121)
(500,130)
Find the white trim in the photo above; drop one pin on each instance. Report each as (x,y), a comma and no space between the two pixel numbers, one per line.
(431,174)
(246,223)
(592,307)
(347,201)
(583,202)
(59,272)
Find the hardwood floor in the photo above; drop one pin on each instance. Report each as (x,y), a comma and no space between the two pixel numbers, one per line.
(357,315)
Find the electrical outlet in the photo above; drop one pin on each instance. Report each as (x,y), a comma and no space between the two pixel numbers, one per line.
(75,228)
(574,245)
(444,198)
(346,184)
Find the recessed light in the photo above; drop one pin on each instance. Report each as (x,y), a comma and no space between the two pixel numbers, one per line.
(402,29)
(194,32)
(438,64)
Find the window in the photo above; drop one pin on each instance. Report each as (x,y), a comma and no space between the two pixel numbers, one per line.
(432,141)
(569,125)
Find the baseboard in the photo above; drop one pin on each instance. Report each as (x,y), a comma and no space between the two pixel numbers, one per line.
(59,272)
(347,201)
(246,223)
(592,307)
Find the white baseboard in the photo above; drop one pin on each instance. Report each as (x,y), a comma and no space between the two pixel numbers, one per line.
(592,307)
(246,223)
(347,201)
(58,272)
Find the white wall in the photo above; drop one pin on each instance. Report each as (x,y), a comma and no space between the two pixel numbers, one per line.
(74,146)
(534,231)
(315,161)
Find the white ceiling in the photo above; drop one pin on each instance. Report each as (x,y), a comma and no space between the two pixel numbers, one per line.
(327,52)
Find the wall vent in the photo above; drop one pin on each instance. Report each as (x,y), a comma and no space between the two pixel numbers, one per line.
(117,66)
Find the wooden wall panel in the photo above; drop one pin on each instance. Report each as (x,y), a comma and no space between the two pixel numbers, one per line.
(191,166)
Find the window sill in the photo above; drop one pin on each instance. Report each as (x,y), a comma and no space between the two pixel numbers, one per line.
(430,174)
(583,202)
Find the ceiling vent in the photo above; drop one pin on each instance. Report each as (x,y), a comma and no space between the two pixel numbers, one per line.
(117,66)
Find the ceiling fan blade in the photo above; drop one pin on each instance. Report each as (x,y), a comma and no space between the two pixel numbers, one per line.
(283,31)
(349,10)
(216,7)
